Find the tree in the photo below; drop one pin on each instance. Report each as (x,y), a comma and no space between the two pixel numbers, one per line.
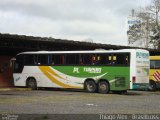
(149,27)
(154,10)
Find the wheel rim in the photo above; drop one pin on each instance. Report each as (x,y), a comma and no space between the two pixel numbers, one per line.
(31,84)
(152,86)
(103,87)
(90,86)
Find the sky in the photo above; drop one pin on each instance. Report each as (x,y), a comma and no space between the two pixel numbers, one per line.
(100,21)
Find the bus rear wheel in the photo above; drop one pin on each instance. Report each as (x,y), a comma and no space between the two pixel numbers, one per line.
(31,83)
(103,87)
(91,86)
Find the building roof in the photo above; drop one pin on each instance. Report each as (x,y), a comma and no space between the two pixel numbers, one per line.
(21,43)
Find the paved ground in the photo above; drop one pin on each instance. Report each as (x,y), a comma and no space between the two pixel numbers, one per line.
(45,103)
(76,102)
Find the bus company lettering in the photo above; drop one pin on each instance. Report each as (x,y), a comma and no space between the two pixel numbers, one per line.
(88,70)
(142,55)
(75,70)
(17,79)
(92,70)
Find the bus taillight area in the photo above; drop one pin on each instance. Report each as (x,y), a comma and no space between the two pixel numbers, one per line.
(134,79)
(140,83)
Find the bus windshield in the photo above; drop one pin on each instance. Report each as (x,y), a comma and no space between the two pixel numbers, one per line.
(155,64)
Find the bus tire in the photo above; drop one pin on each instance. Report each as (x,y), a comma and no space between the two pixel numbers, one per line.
(153,86)
(91,86)
(103,87)
(31,83)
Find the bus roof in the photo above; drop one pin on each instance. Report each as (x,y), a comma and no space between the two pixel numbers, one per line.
(154,57)
(89,51)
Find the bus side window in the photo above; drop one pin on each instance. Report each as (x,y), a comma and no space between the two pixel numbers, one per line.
(98,60)
(72,59)
(42,59)
(49,59)
(109,59)
(103,59)
(127,59)
(52,62)
(57,59)
(62,59)
(121,59)
(81,60)
(94,59)
(87,59)
(114,61)
(30,59)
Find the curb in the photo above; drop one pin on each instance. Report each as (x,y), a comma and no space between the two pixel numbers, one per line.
(15,89)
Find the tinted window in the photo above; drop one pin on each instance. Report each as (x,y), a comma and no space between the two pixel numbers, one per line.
(113,59)
(120,59)
(19,64)
(72,59)
(86,59)
(43,59)
(57,59)
(155,64)
(30,59)
(104,59)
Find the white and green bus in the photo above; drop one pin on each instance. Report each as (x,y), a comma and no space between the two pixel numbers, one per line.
(99,70)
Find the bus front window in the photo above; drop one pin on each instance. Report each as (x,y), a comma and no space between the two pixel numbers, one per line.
(155,64)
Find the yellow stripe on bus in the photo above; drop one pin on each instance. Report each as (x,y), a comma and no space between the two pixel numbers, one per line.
(53,72)
(46,69)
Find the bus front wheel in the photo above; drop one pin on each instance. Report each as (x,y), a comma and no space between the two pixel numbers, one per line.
(103,87)
(31,83)
(91,86)
(153,85)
